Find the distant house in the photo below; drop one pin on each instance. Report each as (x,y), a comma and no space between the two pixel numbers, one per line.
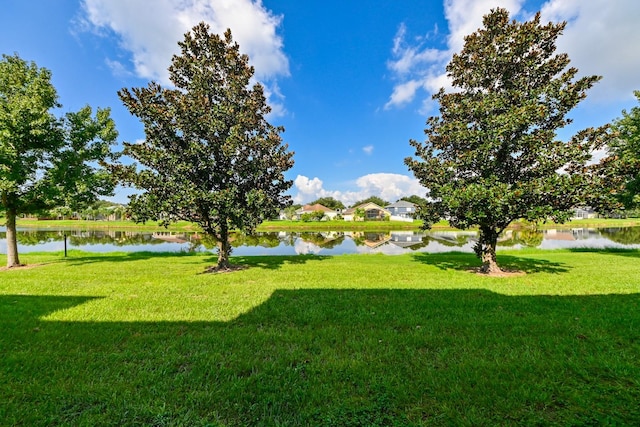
(407,239)
(328,213)
(372,212)
(402,211)
(584,212)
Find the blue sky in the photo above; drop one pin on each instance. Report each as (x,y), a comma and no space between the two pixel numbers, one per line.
(351,81)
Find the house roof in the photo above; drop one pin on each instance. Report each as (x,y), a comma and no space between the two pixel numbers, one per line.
(401,204)
(314,208)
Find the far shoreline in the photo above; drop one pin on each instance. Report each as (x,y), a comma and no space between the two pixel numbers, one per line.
(284,225)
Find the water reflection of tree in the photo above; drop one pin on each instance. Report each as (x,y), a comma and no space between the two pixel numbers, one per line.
(624,236)
(529,237)
(35,237)
(112,238)
(328,240)
(324,240)
(265,240)
(88,237)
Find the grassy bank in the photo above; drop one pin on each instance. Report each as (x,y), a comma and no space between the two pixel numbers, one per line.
(88,225)
(309,340)
(310,226)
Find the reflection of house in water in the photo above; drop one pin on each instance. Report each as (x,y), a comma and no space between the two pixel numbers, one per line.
(372,240)
(572,234)
(453,238)
(585,233)
(566,235)
(171,237)
(406,239)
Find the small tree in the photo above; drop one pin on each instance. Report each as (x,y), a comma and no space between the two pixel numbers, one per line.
(210,156)
(492,157)
(290,212)
(45,161)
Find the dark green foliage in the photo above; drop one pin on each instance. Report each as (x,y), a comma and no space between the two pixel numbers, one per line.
(373,199)
(312,216)
(416,200)
(492,156)
(329,202)
(620,171)
(210,156)
(625,235)
(46,162)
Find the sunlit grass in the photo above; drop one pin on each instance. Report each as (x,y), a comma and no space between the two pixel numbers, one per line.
(417,339)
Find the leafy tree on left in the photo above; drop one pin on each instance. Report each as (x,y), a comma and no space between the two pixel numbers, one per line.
(46,161)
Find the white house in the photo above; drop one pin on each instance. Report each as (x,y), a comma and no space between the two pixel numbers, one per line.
(402,211)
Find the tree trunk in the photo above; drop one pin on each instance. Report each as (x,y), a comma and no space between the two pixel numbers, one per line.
(486,250)
(224,250)
(12,239)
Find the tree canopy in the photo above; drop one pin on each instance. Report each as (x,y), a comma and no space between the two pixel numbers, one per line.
(620,170)
(209,156)
(415,199)
(492,156)
(329,202)
(46,161)
(372,199)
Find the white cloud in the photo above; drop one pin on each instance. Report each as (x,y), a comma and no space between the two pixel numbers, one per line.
(150,32)
(118,68)
(388,186)
(305,248)
(409,57)
(404,93)
(308,186)
(368,149)
(417,66)
(465,17)
(600,38)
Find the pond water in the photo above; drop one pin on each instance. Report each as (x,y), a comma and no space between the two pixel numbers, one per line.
(325,243)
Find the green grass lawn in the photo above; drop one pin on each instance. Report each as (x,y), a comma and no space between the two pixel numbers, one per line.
(351,340)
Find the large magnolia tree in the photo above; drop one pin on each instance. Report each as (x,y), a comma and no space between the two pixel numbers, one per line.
(209,156)
(492,155)
(46,161)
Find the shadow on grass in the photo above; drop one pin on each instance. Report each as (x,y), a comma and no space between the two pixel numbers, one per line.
(333,358)
(82,258)
(273,262)
(466,261)
(265,262)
